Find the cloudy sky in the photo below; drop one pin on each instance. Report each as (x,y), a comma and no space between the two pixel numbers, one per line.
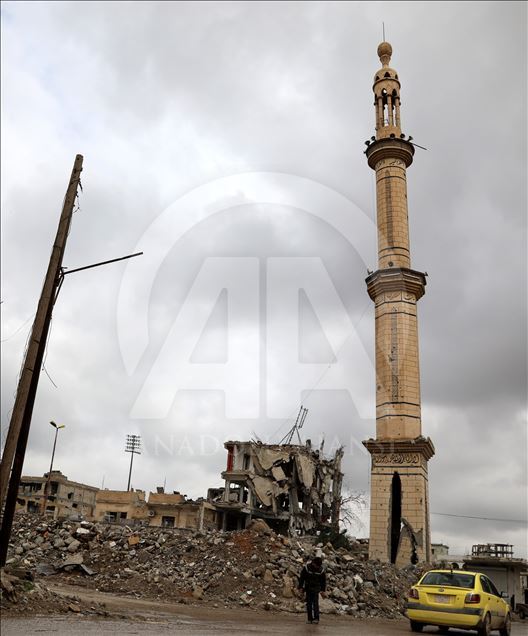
(225,140)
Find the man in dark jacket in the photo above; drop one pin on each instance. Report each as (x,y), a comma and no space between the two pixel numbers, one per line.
(313,580)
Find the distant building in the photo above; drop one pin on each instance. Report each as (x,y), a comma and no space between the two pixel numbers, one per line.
(175,511)
(165,510)
(65,497)
(439,552)
(117,506)
(496,561)
(440,556)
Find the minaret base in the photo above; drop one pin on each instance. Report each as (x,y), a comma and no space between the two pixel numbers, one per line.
(399,502)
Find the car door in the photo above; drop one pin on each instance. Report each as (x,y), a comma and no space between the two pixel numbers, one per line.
(488,601)
(502,607)
(494,602)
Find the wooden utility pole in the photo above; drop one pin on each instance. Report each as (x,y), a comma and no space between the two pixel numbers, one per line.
(16,441)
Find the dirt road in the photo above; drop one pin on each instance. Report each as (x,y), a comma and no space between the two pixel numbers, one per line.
(151,617)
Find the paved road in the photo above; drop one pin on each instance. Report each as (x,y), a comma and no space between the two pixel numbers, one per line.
(225,622)
(141,616)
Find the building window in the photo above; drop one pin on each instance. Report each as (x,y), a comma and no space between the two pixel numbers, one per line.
(167,522)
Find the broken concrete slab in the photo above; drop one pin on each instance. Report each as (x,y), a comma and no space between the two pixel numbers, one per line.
(74,559)
(263,489)
(45,569)
(278,473)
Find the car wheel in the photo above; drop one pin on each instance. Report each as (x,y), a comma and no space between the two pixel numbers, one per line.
(416,627)
(485,629)
(505,630)
(521,614)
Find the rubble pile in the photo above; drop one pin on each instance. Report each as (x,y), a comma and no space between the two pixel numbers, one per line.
(254,567)
(20,593)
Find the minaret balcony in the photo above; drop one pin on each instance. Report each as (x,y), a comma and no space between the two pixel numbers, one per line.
(389,148)
(396,279)
(401,451)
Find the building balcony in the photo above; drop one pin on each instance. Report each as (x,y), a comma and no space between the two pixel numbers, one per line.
(236,475)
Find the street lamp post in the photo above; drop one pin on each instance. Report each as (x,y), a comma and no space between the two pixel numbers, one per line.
(48,481)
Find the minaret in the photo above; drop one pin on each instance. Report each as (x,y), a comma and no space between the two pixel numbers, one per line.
(399,516)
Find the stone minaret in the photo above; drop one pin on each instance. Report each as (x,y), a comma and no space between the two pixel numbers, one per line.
(399,517)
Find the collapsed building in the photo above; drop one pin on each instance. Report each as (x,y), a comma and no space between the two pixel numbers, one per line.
(292,487)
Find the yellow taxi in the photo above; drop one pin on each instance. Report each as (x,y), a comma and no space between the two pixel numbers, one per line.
(456,598)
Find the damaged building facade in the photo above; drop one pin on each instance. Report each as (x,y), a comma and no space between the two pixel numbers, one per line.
(166,510)
(292,487)
(120,505)
(64,498)
(174,510)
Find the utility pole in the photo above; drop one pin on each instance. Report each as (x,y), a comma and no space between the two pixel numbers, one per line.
(133,444)
(16,441)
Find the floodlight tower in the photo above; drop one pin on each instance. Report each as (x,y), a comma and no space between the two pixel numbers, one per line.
(133,446)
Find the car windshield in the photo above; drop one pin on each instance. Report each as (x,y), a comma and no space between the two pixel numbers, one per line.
(451,579)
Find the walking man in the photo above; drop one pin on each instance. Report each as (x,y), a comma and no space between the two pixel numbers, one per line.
(313,581)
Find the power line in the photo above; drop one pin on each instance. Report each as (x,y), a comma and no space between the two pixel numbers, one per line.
(18,330)
(325,371)
(446,514)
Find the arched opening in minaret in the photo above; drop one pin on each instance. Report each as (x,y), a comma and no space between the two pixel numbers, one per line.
(395,521)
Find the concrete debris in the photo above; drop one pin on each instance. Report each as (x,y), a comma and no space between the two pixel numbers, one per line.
(74,545)
(7,586)
(253,567)
(45,569)
(74,559)
(20,594)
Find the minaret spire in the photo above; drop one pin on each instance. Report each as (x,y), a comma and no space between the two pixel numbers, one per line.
(387,96)
(399,530)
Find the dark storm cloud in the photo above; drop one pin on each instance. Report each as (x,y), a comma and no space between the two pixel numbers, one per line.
(164,97)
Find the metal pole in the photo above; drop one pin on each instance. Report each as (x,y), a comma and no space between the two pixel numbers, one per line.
(48,480)
(53,451)
(130,471)
(113,260)
(33,361)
